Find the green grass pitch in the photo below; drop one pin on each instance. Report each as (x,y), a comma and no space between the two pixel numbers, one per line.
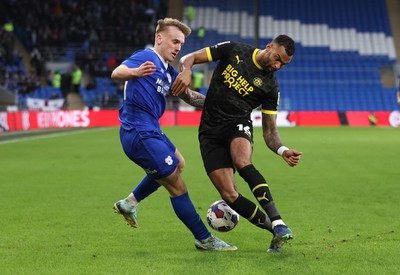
(341,202)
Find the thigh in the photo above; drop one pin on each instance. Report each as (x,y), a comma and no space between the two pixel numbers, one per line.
(215,153)
(241,152)
(152,151)
(241,145)
(216,149)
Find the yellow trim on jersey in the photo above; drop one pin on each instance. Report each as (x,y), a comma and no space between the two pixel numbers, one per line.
(208,51)
(254,59)
(269,112)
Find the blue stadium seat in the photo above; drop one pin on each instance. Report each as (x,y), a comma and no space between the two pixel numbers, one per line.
(341,47)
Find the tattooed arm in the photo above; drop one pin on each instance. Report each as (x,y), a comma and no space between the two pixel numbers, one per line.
(273,140)
(270,132)
(193,98)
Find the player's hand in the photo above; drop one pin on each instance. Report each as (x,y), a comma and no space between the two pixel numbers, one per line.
(182,82)
(292,157)
(146,69)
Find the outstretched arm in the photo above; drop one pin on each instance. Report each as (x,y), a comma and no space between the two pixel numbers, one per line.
(273,140)
(123,72)
(184,79)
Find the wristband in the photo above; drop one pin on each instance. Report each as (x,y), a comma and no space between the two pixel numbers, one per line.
(281,150)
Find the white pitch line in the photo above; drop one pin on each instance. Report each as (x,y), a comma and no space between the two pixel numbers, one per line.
(52,135)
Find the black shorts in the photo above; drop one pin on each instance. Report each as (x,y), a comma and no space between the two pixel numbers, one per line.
(215,143)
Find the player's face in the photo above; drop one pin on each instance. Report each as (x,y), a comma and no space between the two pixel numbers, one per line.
(169,43)
(275,57)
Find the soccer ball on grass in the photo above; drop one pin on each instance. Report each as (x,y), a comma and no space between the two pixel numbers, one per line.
(221,217)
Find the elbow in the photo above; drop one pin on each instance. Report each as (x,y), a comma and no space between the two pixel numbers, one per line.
(117,73)
(114,75)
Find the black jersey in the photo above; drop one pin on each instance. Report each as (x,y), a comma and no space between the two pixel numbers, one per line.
(238,85)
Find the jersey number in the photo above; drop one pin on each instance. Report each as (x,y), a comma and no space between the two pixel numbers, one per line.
(245,129)
(241,128)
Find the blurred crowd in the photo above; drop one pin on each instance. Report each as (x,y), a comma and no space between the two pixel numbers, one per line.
(55,22)
(13,74)
(98,31)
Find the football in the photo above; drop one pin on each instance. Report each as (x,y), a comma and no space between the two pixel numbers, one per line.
(221,217)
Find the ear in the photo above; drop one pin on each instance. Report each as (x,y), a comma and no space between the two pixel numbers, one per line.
(158,39)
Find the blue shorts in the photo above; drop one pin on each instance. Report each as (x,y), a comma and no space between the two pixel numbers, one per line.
(151,150)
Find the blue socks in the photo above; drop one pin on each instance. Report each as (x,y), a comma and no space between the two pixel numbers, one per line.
(182,205)
(186,212)
(145,188)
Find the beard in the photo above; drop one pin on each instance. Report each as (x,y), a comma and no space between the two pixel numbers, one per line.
(266,63)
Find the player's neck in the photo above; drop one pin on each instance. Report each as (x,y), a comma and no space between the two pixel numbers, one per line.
(161,58)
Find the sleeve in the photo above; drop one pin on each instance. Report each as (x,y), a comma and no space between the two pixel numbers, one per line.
(271,103)
(219,51)
(135,60)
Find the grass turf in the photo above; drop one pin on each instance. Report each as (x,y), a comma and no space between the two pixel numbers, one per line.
(57,193)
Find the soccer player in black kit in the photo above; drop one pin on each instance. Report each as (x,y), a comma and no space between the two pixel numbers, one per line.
(243,80)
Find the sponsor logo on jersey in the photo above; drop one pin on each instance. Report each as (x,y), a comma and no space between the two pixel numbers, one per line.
(236,81)
(162,87)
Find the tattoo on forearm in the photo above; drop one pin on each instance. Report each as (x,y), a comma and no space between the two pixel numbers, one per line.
(270,133)
(193,98)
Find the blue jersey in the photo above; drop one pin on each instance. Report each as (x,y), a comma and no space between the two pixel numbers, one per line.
(144,97)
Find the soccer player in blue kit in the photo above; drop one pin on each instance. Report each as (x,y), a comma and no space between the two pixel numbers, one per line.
(148,77)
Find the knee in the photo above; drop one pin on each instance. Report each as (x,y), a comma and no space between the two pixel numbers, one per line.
(174,184)
(240,163)
(229,196)
(181,166)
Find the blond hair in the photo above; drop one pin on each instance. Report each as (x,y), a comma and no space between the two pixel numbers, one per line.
(163,24)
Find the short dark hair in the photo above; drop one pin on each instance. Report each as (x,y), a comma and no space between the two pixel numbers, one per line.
(287,42)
